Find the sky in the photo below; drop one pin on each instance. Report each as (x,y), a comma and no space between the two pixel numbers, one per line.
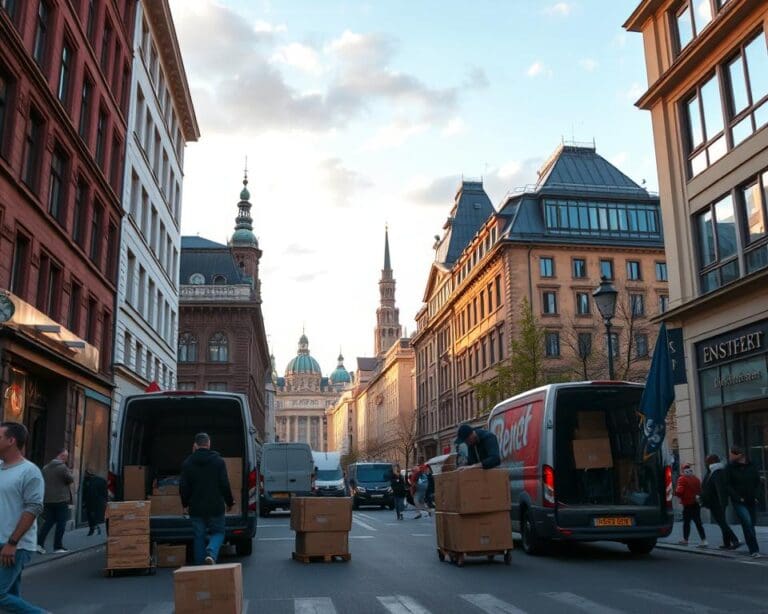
(358,114)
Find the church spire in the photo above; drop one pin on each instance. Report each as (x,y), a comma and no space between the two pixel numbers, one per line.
(388,329)
(387,265)
(244,222)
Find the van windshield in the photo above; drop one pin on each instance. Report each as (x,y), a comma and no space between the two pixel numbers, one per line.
(374,473)
(329,475)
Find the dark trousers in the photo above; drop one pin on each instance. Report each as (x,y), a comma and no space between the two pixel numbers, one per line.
(747,515)
(692,512)
(729,537)
(95,518)
(55,514)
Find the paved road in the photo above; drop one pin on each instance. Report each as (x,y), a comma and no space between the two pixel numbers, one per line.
(395,569)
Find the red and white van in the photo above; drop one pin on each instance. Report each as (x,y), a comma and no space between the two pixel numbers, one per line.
(576,471)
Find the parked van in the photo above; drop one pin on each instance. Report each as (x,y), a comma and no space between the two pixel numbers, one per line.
(329,478)
(576,472)
(157,430)
(286,471)
(369,484)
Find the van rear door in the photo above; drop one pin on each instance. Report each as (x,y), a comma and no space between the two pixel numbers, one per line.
(299,464)
(274,466)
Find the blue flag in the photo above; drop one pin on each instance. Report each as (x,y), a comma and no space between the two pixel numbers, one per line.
(658,395)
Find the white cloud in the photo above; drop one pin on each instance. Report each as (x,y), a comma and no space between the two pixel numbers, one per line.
(509,169)
(394,134)
(619,159)
(588,64)
(264,26)
(342,182)
(634,92)
(537,69)
(560,9)
(455,126)
(299,56)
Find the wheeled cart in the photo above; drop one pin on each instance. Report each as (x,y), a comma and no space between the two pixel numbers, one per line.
(458,558)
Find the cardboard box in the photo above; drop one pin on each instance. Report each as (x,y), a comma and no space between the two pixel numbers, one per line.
(472,491)
(591,425)
(134,482)
(128,552)
(311,514)
(237,508)
(476,532)
(128,517)
(440,523)
(167,489)
(209,588)
(326,542)
(171,555)
(592,453)
(166,505)
(235,474)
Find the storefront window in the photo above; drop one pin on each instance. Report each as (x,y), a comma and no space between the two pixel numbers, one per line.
(715,440)
(742,380)
(710,392)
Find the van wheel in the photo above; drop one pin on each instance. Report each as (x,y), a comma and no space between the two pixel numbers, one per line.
(531,543)
(641,546)
(244,547)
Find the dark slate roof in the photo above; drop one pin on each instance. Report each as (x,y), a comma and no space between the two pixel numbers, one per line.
(366,364)
(471,209)
(210,259)
(190,242)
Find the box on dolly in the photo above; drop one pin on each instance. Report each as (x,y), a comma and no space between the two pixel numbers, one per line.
(322,527)
(128,536)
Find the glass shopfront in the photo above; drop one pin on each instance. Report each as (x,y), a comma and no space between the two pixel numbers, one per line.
(733,383)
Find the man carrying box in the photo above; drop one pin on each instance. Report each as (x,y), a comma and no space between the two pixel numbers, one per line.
(205,491)
(482,447)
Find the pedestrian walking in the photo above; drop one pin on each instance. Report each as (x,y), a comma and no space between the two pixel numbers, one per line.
(205,493)
(419,484)
(688,489)
(94,499)
(743,481)
(399,490)
(430,498)
(21,502)
(482,447)
(714,496)
(58,498)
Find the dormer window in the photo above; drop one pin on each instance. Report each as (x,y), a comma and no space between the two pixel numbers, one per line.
(197,279)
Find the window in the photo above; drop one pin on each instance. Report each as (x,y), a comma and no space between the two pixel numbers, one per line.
(584,345)
(56,191)
(217,386)
(482,304)
(101,136)
(716,235)
(114,164)
(641,345)
(9,6)
(582,303)
(48,286)
(90,321)
(187,347)
(692,17)
(637,305)
(614,344)
(33,148)
(96,233)
(579,268)
(65,72)
(130,277)
(706,137)
(85,108)
(552,345)
(5,97)
(75,304)
(185,386)
(78,221)
(606,269)
(105,44)
(20,266)
(547,267)
(661,271)
(549,302)
(631,220)
(41,33)
(753,202)
(747,87)
(112,247)
(90,20)
(218,348)
(663,303)
(490,297)
(497,282)
(633,270)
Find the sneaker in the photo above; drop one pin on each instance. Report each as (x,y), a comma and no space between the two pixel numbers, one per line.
(682,542)
(703,544)
(40,550)
(209,560)
(755,555)
(60,551)
(417,516)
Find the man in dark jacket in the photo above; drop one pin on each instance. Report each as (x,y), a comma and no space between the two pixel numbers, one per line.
(205,492)
(399,490)
(94,493)
(482,447)
(743,481)
(714,495)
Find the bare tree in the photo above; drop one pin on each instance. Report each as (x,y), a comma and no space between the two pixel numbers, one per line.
(405,434)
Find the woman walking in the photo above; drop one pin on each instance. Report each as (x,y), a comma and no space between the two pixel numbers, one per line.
(94,500)
(399,490)
(419,485)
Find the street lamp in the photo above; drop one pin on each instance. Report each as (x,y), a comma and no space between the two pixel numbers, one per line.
(605,299)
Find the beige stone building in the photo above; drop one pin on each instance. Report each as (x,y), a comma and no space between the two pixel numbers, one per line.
(550,244)
(707,70)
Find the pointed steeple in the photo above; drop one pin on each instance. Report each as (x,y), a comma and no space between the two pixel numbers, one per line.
(387,265)
(388,328)
(244,222)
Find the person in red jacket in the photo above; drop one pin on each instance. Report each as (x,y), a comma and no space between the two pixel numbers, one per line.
(688,490)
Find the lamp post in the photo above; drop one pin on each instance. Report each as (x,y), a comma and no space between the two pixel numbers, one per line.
(605,299)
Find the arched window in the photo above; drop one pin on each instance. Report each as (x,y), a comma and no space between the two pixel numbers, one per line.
(218,348)
(187,347)
(219,280)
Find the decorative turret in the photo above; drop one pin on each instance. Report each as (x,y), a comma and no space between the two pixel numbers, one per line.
(340,375)
(244,222)
(388,328)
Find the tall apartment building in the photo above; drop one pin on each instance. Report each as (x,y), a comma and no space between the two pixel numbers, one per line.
(161,121)
(65,73)
(707,69)
(549,244)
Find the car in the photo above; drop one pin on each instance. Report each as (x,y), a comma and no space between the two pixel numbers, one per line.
(369,483)
(286,471)
(329,478)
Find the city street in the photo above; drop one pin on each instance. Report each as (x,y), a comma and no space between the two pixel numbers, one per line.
(394,568)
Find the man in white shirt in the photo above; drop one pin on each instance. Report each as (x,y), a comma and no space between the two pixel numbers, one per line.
(21,502)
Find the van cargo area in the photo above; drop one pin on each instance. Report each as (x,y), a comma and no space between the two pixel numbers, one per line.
(598,435)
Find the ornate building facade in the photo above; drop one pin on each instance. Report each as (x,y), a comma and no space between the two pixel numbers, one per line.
(222,341)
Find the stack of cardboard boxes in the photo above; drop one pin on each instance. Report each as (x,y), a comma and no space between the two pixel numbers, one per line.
(591,443)
(473,511)
(128,539)
(209,588)
(322,526)
(235,474)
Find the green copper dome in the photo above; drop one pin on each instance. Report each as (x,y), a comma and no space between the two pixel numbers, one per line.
(245,194)
(243,234)
(340,375)
(303,362)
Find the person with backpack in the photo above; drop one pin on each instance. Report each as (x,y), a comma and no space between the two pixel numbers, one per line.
(714,496)
(687,490)
(399,490)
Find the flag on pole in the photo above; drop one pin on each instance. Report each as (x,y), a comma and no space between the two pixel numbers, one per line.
(658,395)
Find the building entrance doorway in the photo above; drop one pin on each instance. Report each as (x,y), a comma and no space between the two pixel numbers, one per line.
(753,428)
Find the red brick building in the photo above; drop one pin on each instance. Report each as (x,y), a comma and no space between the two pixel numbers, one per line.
(64,78)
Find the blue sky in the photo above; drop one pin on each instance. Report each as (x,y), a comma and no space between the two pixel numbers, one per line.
(357,114)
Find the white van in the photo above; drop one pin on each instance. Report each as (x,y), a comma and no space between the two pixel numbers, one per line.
(157,430)
(286,472)
(575,467)
(329,478)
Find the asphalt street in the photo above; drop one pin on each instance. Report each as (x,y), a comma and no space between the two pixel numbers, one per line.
(395,569)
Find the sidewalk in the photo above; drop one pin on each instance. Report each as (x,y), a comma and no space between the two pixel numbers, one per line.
(714,537)
(75,540)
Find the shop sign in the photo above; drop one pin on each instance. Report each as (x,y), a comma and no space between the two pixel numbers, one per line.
(739,343)
(677,355)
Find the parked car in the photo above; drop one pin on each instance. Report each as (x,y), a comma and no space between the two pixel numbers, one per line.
(286,471)
(329,478)
(369,484)
(156,431)
(572,453)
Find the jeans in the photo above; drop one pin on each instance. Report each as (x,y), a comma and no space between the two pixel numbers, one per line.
(58,514)
(692,512)
(200,527)
(399,505)
(10,587)
(747,515)
(729,537)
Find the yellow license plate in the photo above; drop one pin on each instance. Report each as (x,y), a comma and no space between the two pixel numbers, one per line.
(279,495)
(615,521)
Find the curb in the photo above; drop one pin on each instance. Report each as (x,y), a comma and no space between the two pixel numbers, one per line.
(707,552)
(44,559)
